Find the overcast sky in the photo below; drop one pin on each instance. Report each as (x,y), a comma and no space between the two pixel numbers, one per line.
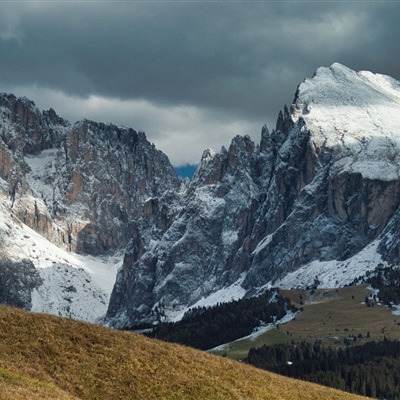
(191,74)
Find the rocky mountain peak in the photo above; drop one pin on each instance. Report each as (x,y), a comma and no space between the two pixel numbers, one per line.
(54,119)
(25,131)
(308,195)
(355,114)
(84,187)
(340,86)
(79,176)
(319,196)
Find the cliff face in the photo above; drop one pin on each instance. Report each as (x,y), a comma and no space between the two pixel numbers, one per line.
(83,185)
(107,174)
(201,249)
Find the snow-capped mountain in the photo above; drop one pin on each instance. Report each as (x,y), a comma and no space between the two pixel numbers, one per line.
(317,200)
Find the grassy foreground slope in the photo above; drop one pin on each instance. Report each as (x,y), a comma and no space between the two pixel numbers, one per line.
(45,357)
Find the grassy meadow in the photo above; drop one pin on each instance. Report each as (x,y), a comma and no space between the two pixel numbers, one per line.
(45,357)
(329,315)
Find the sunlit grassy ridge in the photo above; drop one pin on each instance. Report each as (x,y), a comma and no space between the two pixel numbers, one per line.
(45,357)
(16,386)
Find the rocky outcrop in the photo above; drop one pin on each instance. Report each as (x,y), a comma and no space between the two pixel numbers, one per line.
(17,280)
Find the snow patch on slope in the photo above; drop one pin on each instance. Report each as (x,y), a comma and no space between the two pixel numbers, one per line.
(41,165)
(74,286)
(333,273)
(224,295)
(258,331)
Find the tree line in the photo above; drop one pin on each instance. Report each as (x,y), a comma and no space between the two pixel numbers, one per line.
(371,369)
(208,327)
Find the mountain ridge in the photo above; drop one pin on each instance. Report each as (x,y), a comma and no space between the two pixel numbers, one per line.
(317,196)
(310,202)
(83,187)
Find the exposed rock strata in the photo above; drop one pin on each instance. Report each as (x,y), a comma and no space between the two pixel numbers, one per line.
(90,188)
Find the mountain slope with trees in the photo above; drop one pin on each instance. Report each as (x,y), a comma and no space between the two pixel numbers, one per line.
(371,369)
(205,328)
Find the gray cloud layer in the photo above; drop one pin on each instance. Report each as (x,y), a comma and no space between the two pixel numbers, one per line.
(191,74)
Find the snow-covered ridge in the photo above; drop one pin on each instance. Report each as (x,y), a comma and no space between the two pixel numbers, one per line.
(357,115)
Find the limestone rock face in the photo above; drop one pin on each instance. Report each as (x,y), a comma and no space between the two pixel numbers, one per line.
(32,131)
(108,173)
(26,132)
(82,186)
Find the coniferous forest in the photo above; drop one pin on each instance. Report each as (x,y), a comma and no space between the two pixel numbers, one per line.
(387,281)
(371,369)
(205,328)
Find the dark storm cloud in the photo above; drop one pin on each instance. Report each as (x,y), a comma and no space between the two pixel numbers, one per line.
(239,59)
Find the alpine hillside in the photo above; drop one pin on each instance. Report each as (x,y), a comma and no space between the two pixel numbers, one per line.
(45,357)
(315,202)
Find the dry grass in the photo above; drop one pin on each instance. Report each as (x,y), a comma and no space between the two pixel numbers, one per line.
(45,357)
(16,386)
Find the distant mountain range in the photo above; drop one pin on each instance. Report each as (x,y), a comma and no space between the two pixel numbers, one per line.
(316,202)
